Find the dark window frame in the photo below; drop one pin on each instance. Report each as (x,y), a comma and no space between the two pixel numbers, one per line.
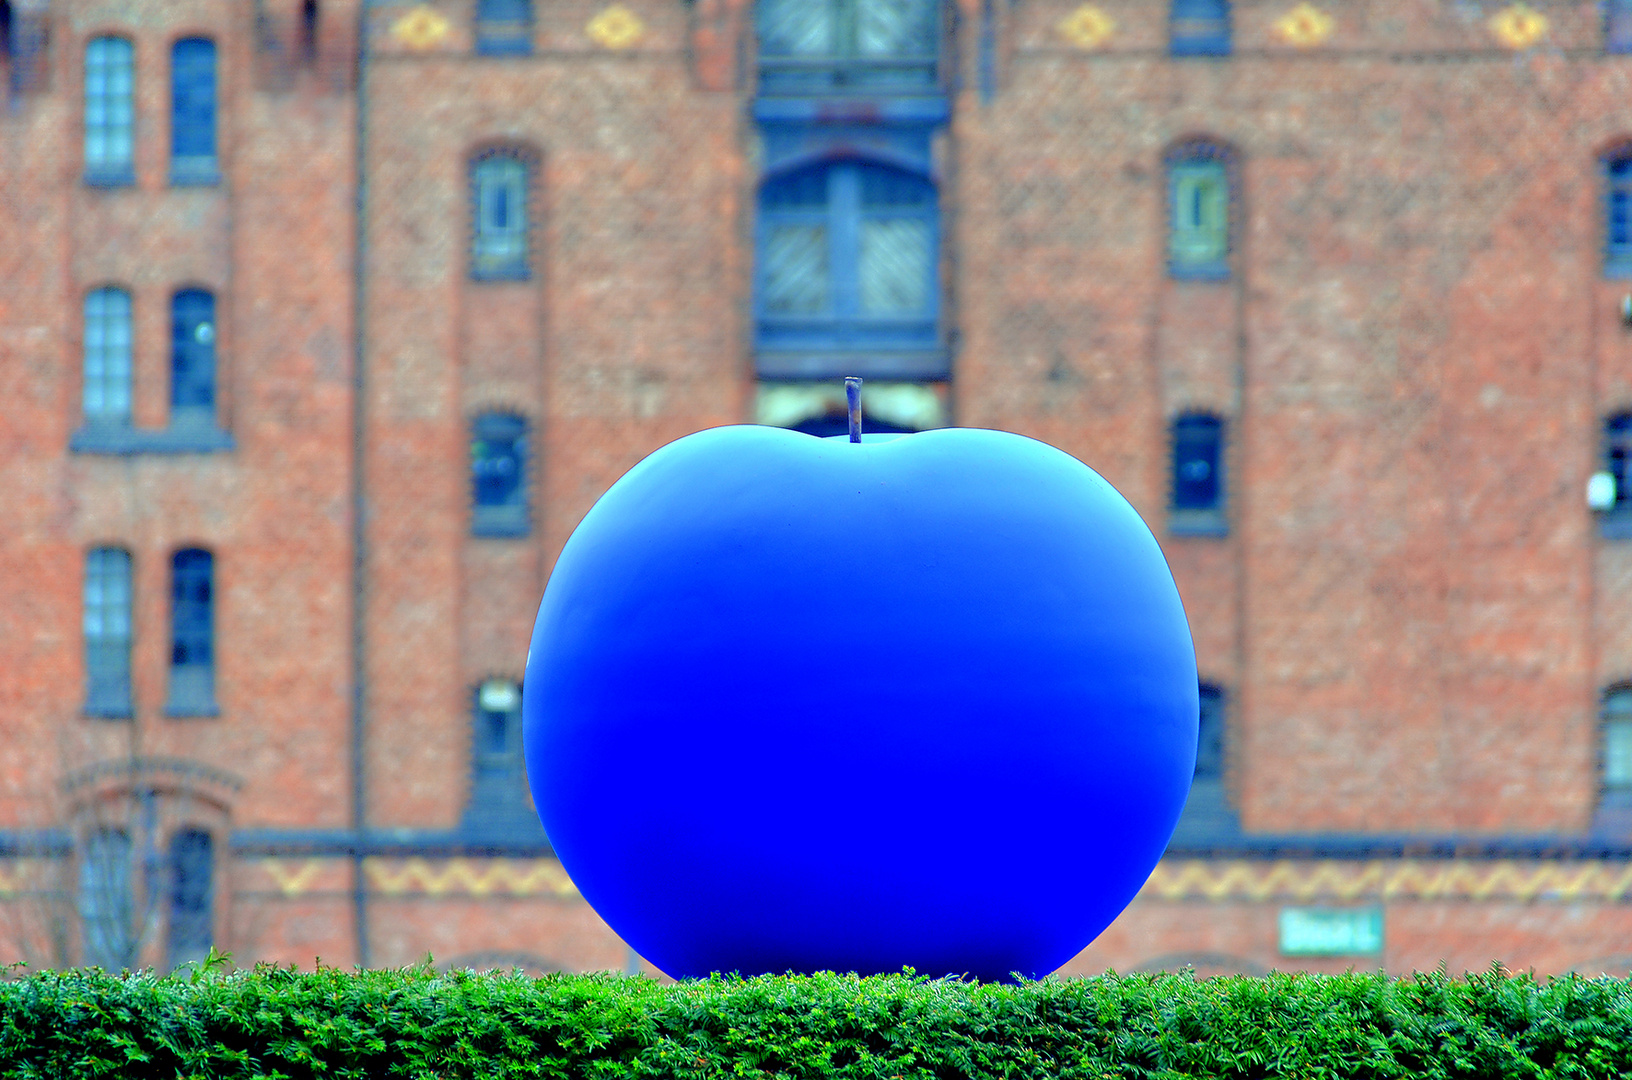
(194,359)
(109,607)
(498,807)
(190,897)
(500,509)
(1186,161)
(1615,169)
(1199,28)
(195,112)
(108,111)
(845,66)
(1615,455)
(190,688)
(489,259)
(1188,513)
(504,27)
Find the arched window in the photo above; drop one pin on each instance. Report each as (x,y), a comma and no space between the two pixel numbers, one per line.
(107,623)
(107,903)
(1618,26)
(848,271)
(1199,28)
(499,807)
(192,897)
(498,184)
(504,27)
(192,112)
(105,392)
(192,358)
(1198,185)
(192,634)
(1196,491)
(816,46)
(1618,213)
(498,475)
(110,111)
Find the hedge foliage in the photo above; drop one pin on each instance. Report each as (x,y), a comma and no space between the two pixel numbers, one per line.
(421,1023)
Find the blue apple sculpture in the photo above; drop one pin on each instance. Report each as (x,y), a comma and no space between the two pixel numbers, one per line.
(811,704)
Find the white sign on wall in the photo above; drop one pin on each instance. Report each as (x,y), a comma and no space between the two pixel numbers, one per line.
(1332,931)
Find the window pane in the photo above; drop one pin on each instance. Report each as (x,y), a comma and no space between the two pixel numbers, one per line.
(1200,213)
(109,108)
(107,631)
(893,188)
(796,27)
(192,89)
(803,190)
(501,214)
(1196,452)
(1210,734)
(1618,753)
(192,893)
(192,631)
(497,459)
(106,389)
(192,350)
(796,269)
(894,268)
(105,901)
(894,27)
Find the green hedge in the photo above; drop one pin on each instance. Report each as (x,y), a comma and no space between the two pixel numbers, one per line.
(419,1023)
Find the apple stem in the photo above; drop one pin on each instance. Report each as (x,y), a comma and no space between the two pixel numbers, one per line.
(852,392)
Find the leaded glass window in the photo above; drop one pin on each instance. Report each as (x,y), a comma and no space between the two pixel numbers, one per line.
(192,358)
(106,901)
(106,619)
(105,391)
(1199,240)
(504,27)
(192,634)
(192,897)
(498,474)
(1618,216)
(815,46)
(499,240)
(847,258)
(192,112)
(110,111)
(1199,28)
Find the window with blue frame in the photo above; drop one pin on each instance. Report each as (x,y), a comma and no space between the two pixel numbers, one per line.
(1197,480)
(192,112)
(107,901)
(847,46)
(105,368)
(498,475)
(192,359)
(1618,26)
(1199,28)
(192,634)
(847,262)
(1199,205)
(106,624)
(191,914)
(504,27)
(1618,213)
(110,111)
(498,184)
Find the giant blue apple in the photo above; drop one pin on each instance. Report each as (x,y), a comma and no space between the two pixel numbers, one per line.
(805,704)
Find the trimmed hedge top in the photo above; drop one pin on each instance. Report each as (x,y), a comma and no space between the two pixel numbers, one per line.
(419,1023)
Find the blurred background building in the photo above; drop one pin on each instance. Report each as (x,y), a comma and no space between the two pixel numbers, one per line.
(323,322)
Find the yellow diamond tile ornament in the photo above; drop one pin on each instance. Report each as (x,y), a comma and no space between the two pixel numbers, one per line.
(1519,26)
(1305,26)
(1087,27)
(615,28)
(420,28)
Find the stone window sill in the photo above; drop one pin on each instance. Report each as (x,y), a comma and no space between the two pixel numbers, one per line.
(119,177)
(124,441)
(192,710)
(1211,523)
(500,521)
(194,172)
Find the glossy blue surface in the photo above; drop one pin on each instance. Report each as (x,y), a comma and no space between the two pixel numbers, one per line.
(799,703)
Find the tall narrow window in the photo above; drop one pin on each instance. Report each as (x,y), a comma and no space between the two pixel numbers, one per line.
(192,897)
(498,475)
(310,28)
(499,217)
(106,901)
(848,274)
(1208,815)
(1197,479)
(192,634)
(504,27)
(110,111)
(499,807)
(107,633)
(825,46)
(1210,734)
(1199,28)
(24,36)
(1198,182)
(192,358)
(1611,492)
(106,389)
(1618,26)
(1615,763)
(192,112)
(1618,214)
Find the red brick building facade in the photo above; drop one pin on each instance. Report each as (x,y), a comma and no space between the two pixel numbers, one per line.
(323,324)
